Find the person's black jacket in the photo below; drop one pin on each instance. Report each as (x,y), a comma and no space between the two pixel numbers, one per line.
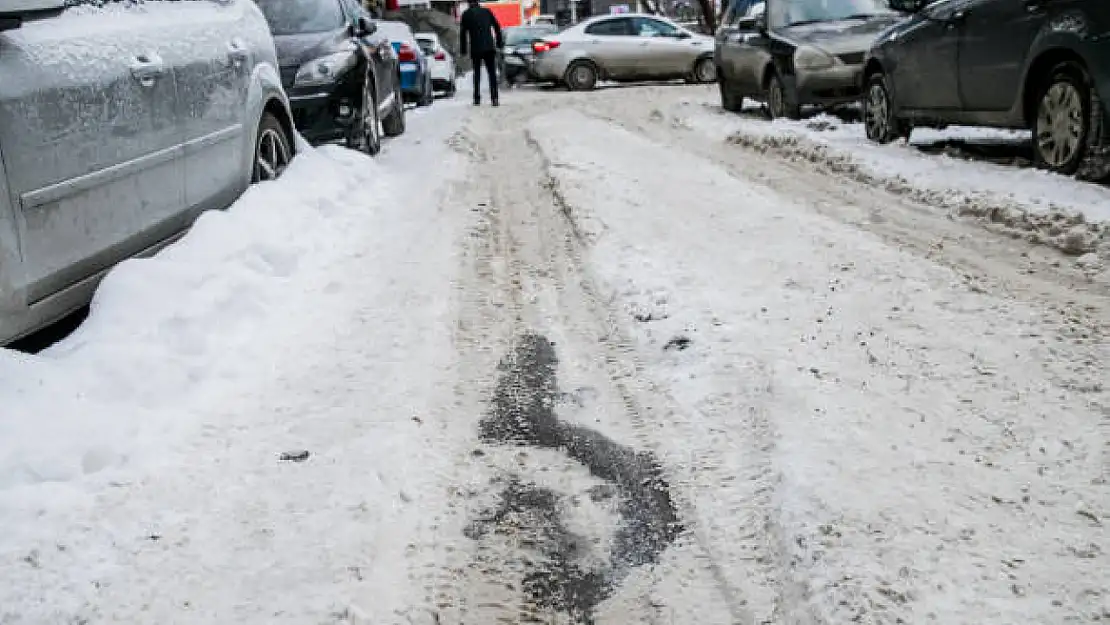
(479,28)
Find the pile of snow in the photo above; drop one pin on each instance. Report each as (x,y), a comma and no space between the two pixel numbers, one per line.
(864,438)
(933,169)
(164,328)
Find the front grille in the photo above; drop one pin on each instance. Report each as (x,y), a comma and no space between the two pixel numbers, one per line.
(851,58)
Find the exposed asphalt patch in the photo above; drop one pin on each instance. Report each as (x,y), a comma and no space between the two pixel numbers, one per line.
(523,413)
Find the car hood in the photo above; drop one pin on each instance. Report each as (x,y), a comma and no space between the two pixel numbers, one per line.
(296,50)
(841,37)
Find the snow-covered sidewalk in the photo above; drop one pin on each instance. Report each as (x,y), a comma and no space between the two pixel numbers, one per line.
(865,438)
(142,476)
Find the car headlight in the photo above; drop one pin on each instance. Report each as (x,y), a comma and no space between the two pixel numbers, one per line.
(326,69)
(808,57)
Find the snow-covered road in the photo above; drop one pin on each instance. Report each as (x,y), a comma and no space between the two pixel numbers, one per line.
(606,366)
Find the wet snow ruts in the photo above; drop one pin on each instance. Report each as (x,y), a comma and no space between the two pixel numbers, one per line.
(523,413)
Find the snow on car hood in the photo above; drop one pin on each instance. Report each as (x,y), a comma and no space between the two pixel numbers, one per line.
(295,50)
(842,36)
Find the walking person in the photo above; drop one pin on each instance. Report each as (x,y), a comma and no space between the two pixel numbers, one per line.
(480,34)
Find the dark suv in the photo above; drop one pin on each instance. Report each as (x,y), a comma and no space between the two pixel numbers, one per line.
(340,72)
(1037,64)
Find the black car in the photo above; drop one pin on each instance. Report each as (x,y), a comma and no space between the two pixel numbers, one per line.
(1038,64)
(514,59)
(341,75)
(792,53)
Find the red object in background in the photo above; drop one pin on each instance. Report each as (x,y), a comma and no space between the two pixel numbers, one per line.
(544,46)
(392,5)
(441,56)
(406,53)
(507,13)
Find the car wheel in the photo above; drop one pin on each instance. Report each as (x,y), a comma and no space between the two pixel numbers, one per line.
(879,120)
(394,124)
(780,102)
(1062,121)
(705,70)
(729,100)
(366,134)
(581,76)
(272,150)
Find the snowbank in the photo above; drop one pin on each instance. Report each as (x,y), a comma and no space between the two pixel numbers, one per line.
(978,172)
(864,437)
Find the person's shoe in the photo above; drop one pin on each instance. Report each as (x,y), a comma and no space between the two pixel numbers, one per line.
(495,103)
(477,103)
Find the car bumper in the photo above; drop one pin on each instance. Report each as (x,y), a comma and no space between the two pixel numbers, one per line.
(412,82)
(441,71)
(323,114)
(547,67)
(839,84)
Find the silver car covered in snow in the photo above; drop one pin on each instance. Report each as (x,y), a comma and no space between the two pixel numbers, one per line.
(119,124)
(623,47)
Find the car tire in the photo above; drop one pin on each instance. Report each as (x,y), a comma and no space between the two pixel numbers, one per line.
(704,71)
(366,134)
(581,76)
(729,100)
(780,101)
(394,124)
(879,119)
(273,150)
(1062,120)
(451,88)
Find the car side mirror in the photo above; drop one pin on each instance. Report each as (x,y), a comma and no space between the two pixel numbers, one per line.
(363,27)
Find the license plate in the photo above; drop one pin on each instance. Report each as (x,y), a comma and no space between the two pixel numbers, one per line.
(512,60)
(408,67)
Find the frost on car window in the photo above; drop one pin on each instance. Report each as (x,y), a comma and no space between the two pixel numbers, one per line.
(295,17)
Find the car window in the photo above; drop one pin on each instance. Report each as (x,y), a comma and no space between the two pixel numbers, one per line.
(619,26)
(294,17)
(796,12)
(426,46)
(647,27)
(745,9)
(517,35)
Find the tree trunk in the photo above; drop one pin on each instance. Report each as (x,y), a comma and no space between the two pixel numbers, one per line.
(708,16)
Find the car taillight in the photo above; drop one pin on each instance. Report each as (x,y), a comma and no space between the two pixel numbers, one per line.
(441,56)
(544,46)
(406,53)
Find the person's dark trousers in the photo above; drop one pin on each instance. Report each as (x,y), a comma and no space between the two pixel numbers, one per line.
(489,60)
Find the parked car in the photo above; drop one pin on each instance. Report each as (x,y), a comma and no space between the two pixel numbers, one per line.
(340,73)
(621,48)
(514,60)
(793,53)
(114,152)
(416,74)
(442,63)
(1034,64)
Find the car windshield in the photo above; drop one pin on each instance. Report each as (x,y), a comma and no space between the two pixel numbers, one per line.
(795,12)
(295,17)
(516,36)
(396,31)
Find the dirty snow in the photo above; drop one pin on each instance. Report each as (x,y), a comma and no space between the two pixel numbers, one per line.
(325,405)
(981,173)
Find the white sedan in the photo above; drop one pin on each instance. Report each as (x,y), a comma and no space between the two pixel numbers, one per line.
(441,62)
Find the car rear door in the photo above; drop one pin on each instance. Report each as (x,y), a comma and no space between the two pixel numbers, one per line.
(995,38)
(211,58)
(91,140)
(613,44)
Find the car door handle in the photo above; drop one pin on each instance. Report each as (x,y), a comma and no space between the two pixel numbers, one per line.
(236,52)
(147,68)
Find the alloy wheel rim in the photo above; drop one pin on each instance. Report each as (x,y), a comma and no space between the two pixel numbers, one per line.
(273,155)
(1060,124)
(369,121)
(877,112)
(581,75)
